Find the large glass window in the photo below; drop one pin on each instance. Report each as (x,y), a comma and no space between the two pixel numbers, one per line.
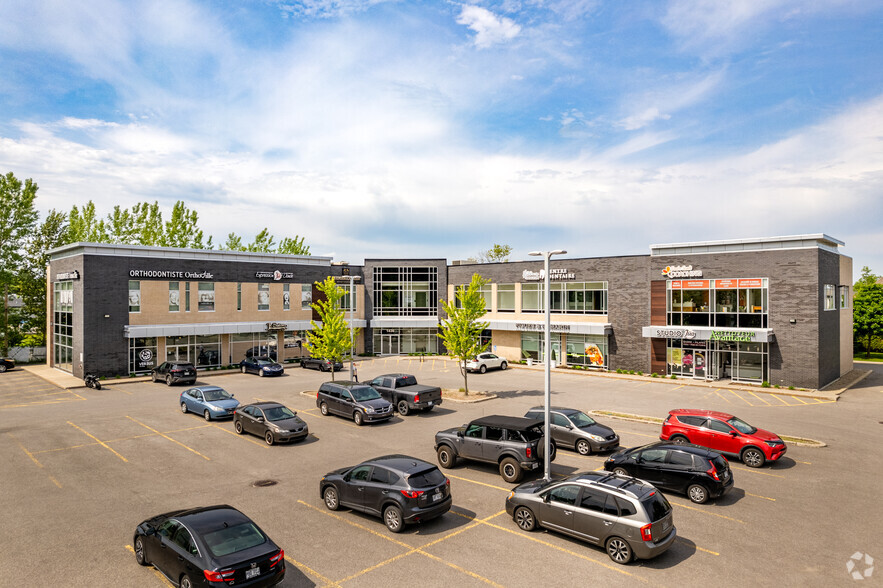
(174,297)
(844,297)
(533,346)
(395,341)
(261,343)
(187,296)
(348,301)
(142,354)
(286,296)
(134,296)
(830,300)
(587,350)
(62,326)
(505,297)
(722,303)
(263,296)
(206,297)
(530,298)
(566,297)
(406,291)
(306,296)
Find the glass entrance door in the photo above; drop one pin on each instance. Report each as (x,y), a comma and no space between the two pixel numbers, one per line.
(719,366)
(390,345)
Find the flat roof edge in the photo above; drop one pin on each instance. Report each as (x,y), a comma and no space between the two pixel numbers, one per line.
(181,253)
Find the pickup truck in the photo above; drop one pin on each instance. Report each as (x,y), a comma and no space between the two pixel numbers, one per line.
(403,391)
(515,444)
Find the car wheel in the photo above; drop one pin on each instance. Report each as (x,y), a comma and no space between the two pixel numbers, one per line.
(2,367)
(620,472)
(753,457)
(269,438)
(482,369)
(619,550)
(323,408)
(261,373)
(583,447)
(139,553)
(357,418)
(330,498)
(242,368)
(697,493)
(504,365)
(446,457)
(402,407)
(169,380)
(510,470)
(524,519)
(237,426)
(184,408)
(207,415)
(679,440)
(185,582)
(392,516)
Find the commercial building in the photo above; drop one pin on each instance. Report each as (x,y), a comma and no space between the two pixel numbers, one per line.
(774,310)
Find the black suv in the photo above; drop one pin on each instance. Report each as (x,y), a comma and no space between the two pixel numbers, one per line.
(696,471)
(398,488)
(174,372)
(352,400)
(514,443)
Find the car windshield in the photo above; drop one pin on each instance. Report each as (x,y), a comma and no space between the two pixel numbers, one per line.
(406,381)
(742,426)
(426,478)
(657,506)
(278,413)
(581,419)
(364,393)
(264,361)
(233,539)
(216,394)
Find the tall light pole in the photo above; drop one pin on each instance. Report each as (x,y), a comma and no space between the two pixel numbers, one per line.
(547,437)
(352,341)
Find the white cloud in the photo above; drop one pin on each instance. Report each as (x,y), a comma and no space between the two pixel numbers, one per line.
(489,28)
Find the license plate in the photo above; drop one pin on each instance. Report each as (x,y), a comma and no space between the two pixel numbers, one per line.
(436,497)
(187,373)
(429,403)
(666,525)
(252,573)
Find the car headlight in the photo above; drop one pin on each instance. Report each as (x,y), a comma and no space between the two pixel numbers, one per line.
(369,410)
(211,407)
(774,443)
(596,438)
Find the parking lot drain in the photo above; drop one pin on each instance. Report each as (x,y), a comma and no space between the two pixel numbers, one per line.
(265,483)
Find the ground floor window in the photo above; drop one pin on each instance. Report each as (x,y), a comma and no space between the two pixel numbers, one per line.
(718,360)
(201,350)
(142,354)
(533,346)
(587,350)
(295,345)
(397,341)
(62,326)
(258,344)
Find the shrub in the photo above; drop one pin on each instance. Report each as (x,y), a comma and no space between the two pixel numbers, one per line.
(765,384)
(654,375)
(674,377)
(791,387)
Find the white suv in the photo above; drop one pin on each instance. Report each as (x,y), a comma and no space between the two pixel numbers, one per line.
(485,361)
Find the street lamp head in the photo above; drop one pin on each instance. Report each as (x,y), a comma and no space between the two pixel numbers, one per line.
(549,253)
(558,252)
(535,253)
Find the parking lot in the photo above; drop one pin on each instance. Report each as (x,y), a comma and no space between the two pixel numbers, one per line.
(84,467)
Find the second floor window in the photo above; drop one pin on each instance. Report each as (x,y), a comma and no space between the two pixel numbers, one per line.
(174,296)
(134,296)
(263,296)
(206,299)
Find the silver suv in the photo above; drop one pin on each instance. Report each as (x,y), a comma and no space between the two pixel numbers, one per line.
(631,519)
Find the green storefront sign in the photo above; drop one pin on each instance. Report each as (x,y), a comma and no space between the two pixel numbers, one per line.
(732,336)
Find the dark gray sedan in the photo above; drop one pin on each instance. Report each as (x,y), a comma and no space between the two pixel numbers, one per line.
(575,429)
(270,420)
(262,366)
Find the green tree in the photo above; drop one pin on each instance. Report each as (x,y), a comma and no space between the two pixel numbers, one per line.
(233,243)
(85,226)
(18,217)
(494,254)
(147,225)
(867,310)
(182,229)
(293,246)
(263,242)
(332,338)
(461,331)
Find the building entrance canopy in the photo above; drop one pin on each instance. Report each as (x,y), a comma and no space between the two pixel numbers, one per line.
(710,334)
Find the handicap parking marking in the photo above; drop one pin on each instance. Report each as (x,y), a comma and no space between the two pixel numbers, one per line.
(164,436)
(156,572)
(99,441)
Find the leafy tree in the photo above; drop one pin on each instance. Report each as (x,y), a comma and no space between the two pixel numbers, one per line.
(147,225)
(867,310)
(293,246)
(52,233)
(233,243)
(17,220)
(461,331)
(332,338)
(494,254)
(181,230)
(85,226)
(263,242)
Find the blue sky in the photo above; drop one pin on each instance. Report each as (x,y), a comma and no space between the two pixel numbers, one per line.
(389,128)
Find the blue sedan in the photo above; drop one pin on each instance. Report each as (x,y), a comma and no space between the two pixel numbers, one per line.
(262,366)
(211,402)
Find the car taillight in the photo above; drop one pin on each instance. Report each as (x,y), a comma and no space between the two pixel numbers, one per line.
(647,532)
(416,398)
(447,482)
(528,451)
(412,493)
(713,472)
(277,558)
(218,576)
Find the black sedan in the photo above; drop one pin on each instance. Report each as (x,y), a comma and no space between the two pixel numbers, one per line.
(6,363)
(321,364)
(270,420)
(209,546)
(398,488)
(262,366)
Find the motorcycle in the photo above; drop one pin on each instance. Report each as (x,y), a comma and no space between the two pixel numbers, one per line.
(92,381)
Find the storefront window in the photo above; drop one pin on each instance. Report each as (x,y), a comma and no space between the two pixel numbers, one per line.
(142,354)
(294,348)
(261,343)
(201,350)
(263,296)
(174,296)
(397,341)
(62,326)
(134,296)
(505,297)
(533,346)
(306,296)
(587,350)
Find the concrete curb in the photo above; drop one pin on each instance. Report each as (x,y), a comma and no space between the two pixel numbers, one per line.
(636,418)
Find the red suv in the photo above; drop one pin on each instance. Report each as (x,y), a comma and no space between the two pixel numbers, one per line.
(724,433)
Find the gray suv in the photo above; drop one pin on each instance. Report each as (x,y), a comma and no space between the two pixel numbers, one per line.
(515,444)
(575,429)
(352,400)
(629,518)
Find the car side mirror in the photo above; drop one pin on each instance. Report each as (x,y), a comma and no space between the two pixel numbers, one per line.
(459,433)
(260,419)
(150,531)
(547,498)
(734,433)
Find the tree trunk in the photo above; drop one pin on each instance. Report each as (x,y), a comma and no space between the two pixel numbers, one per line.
(5,319)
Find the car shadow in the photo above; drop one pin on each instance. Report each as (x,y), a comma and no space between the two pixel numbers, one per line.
(518,393)
(731,497)
(437,526)
(295,577)
(784,463)
(435,412)
(680,550)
